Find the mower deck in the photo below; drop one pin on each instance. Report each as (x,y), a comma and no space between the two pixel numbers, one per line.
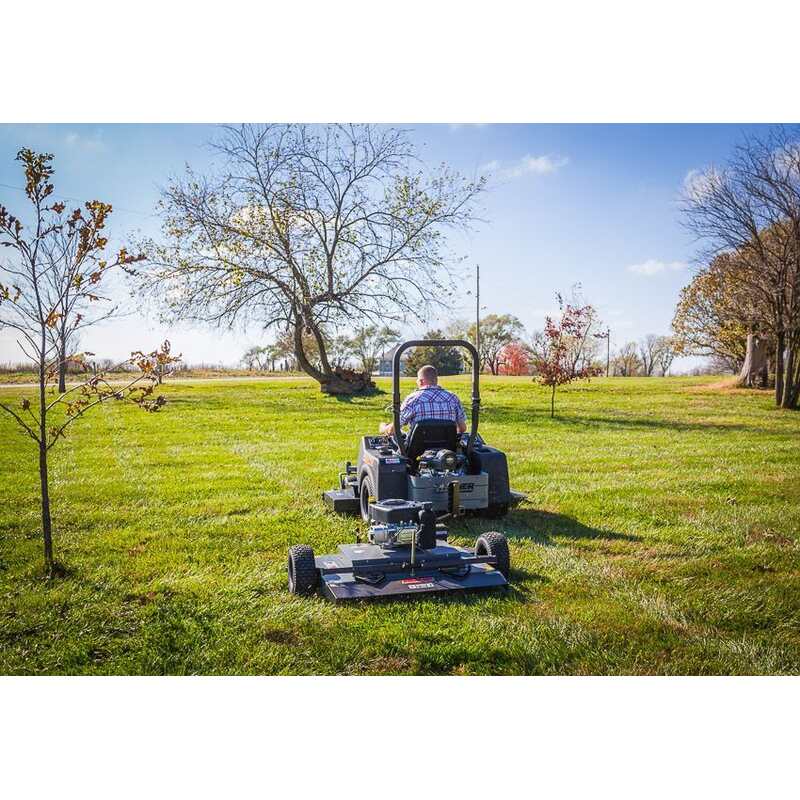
(360,571)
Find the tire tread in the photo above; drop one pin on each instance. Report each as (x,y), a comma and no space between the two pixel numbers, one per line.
(306,576)
(494,543)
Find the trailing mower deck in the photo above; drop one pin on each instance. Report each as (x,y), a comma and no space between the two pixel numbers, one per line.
(361,571)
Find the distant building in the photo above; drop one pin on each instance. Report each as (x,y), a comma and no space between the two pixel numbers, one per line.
(387,358)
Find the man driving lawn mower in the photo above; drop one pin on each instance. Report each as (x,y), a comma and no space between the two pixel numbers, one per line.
(430,401)
(404,487)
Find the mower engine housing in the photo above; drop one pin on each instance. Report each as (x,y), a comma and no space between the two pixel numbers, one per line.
(399,522)
(392,534)
(395,511)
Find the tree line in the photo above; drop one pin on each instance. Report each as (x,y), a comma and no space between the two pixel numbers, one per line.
(505,348)
(743,305)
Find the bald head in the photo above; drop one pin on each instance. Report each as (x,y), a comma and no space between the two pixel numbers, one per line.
(427,376)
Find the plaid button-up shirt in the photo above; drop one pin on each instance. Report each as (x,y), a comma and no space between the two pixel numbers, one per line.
(431,402)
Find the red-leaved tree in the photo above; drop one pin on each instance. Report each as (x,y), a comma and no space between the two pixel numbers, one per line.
(514,359)
(554,363)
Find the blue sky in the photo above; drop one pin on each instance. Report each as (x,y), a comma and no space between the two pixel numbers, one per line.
(588,204)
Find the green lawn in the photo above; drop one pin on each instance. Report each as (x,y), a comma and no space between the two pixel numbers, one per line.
(661,535)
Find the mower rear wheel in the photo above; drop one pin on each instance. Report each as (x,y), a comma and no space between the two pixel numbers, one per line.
(366,492)
(302,571)
(494,543)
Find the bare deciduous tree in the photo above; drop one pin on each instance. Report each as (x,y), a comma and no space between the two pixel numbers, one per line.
(255,357)
(48,269)
(75,250)
(497,331)
(665,354)
(308,228)
(369,342)
(627,362)
(751,208)
(649,348)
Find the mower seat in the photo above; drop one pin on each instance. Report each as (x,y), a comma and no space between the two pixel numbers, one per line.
(431,434)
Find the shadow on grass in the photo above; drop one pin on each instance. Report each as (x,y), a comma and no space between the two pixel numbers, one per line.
(522,584)
(516,415)
(348,398)
(647,423)
(543,527)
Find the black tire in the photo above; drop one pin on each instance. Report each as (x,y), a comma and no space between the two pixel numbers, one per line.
(302,571)
(496,510)
(495,544)
(366,490)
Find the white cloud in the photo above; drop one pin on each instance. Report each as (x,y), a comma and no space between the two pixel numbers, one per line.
(787,158)
(93,142)
(698,183)
(653,267)
(457,126)
(527,165)
(538,165)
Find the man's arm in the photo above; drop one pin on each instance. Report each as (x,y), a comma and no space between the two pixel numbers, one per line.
(461,418)
(406,412)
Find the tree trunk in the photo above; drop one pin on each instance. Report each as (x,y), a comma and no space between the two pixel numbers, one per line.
(62,346)
(794,396)
(320,339)
(780,343)
(338,381)
(553,402)
(300,354)
(754,370)
(789,396)
(47,526)
(62,368)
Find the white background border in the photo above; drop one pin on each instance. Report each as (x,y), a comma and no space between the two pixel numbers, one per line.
(399,737)
(410,62)
(416,61)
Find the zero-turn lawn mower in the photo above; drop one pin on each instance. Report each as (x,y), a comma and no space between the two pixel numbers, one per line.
(403,487)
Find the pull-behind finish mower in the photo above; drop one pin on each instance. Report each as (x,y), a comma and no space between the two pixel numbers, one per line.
(401,486)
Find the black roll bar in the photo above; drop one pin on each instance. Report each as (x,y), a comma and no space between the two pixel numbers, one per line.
(476,395)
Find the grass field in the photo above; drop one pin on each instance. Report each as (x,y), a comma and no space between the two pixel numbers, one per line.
(661,535)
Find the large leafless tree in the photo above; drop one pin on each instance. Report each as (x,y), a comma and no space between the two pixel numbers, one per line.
(310,228)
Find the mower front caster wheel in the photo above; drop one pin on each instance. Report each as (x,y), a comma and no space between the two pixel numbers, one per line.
(495,544)
(302,571)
